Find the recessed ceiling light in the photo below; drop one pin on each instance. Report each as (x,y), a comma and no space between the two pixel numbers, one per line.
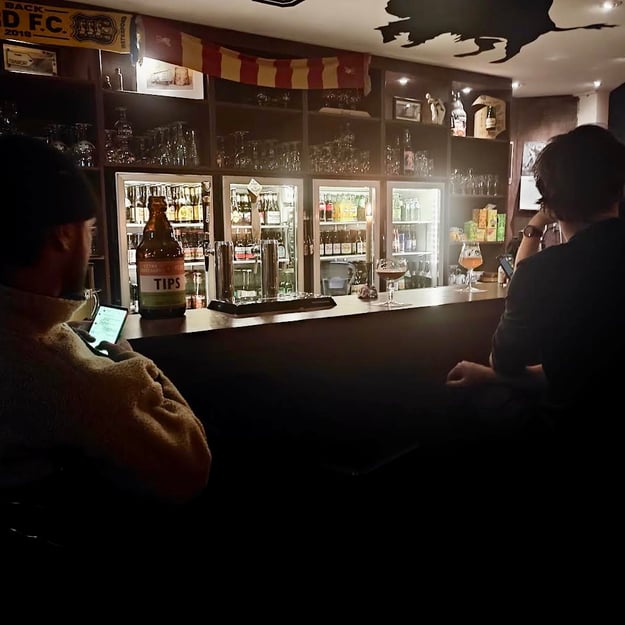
(467,90)
(403,80)
(611,4)
(597,84)
(516,84)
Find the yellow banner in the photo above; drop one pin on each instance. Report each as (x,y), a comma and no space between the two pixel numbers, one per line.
(37,23)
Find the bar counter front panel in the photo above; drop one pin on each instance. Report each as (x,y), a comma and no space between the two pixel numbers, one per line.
(342,387)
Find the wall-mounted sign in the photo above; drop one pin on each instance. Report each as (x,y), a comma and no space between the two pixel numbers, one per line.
(53,26)
(28,60)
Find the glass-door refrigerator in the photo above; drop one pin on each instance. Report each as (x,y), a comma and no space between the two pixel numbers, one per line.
(414,231)
(345,230)
(257,208)
(189,210)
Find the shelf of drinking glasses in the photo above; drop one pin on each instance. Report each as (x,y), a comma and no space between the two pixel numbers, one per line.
(480,196)
(345,114)
(480,140)
(416,180)
(418,125)
(480,242)
(241,106)
(164,169)
(116,93)
(269,173)
(342,176)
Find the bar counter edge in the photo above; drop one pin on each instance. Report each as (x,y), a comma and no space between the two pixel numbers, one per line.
(344,387)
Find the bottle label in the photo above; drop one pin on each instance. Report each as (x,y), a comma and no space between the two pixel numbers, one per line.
(161,283)
(408,162)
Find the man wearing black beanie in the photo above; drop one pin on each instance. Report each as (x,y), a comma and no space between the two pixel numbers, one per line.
(117,417)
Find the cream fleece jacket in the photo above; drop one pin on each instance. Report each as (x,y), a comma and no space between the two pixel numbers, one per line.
(125,417)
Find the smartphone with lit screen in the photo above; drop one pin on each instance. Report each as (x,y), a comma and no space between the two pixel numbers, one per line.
(107,325)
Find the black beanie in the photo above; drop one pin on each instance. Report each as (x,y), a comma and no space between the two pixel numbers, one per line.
(41,186)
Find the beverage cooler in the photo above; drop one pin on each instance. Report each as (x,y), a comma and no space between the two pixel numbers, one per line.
(264,208)
(345,233)
(189,211)
(414,231)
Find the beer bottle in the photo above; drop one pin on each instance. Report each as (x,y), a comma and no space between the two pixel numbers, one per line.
(160,266)
(491,119)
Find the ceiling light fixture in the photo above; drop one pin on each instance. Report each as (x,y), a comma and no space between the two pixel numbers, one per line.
(597,84)
(516,84)
(403,80)
(611,4)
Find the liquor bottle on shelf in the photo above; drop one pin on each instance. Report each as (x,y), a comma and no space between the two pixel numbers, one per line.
(329,243)
(458,117)
(160,266)
(322,210)
(119,79)
(408,162)
(491,119)
(361,211)
(329,209)
(336,243)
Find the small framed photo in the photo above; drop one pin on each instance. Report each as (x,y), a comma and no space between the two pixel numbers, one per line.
(161,78)
(406,109)
(28,60)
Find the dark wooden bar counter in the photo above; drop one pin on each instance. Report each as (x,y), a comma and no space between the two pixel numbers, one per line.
(342,388)
(205,320)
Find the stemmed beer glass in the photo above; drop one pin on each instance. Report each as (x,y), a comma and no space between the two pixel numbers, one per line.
(391,269)
(470,258)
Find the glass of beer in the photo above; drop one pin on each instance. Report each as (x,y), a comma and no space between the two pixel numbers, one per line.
(470,258)
(391,269)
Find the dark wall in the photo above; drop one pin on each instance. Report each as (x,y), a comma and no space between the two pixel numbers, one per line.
(616,118)
(535,119)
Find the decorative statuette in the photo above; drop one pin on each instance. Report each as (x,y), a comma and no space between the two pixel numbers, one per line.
(437,108)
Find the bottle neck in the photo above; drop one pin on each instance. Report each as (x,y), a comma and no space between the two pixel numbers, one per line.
(157,222)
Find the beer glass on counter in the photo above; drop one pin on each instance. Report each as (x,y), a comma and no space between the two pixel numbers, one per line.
(391,269)
(470,258)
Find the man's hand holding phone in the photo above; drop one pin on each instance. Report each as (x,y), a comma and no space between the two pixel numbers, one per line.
(104,331)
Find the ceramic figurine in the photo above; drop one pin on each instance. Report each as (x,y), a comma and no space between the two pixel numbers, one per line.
(437,108)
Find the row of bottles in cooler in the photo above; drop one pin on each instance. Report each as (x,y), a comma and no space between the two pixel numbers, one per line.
(345,207)
(410,239)
(419,275)
(190,239)
(185,202)
(340,242)
(267,205)
(246,248)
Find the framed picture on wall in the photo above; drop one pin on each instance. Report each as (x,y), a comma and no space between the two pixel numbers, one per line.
(161,78)
(407,109)
(531,150)
(529,194)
